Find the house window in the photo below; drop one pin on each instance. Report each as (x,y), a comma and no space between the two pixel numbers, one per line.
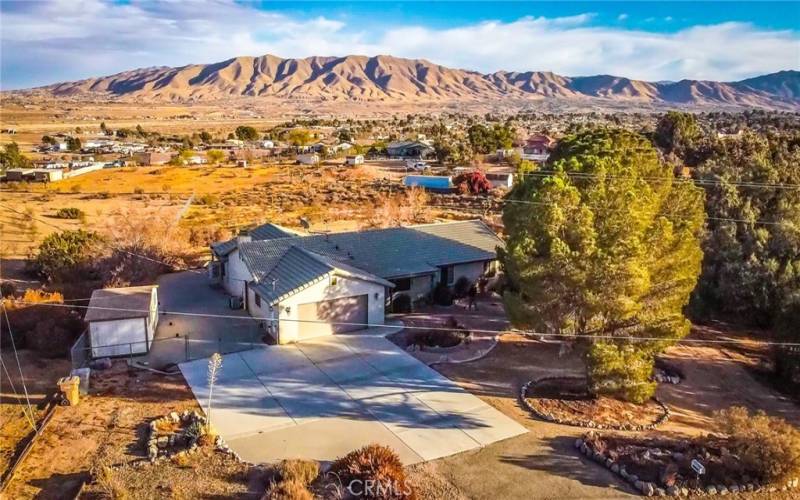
(258,300)
(402,284)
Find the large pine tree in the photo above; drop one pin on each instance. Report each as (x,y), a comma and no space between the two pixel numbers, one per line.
(603,241)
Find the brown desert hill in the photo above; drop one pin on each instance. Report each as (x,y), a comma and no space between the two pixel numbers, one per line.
(393,79)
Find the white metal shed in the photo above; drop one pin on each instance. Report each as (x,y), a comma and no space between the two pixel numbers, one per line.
(122,321)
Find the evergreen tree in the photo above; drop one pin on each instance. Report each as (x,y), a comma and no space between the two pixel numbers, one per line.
(612,253)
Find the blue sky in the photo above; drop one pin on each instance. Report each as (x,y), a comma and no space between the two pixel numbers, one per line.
(45,41)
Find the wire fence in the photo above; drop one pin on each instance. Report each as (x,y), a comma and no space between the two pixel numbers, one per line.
(162,352)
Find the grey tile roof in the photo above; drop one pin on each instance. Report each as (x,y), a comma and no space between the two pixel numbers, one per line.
(295,270)
(262,232)
(387,253)
(270,232)
(120,303)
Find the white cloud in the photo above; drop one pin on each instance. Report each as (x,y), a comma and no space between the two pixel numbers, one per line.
(47,41)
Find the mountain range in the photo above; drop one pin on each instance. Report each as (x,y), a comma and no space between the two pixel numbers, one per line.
(397,80)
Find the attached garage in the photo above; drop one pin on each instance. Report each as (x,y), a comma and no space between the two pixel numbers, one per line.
(346,314)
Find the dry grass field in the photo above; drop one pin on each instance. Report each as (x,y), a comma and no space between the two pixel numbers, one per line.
(204,201)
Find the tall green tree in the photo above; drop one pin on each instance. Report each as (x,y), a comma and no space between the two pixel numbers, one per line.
(11,157)
(677,131)
(752,261)
(614,253)
(246,133)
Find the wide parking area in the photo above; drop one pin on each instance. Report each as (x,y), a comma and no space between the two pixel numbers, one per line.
(323,398)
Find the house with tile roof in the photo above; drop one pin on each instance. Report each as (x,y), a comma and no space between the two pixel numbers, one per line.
(306,286)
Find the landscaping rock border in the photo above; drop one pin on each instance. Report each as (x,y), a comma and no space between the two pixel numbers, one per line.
(586,423)
(649,489)
(162,447)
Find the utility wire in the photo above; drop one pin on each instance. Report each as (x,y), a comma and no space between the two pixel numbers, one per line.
(379,325)
(19,365)
(709,182)
(28,417)
(48,223)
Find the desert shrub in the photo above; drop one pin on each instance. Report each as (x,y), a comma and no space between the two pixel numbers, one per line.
(461,287)
(768,447)
(620,371)
(76,188)
(301,471)
(442,295)
(70,213)
(206,199)
(48,330)
(401,304)
(7,289)
(438,338)
(288,490)
(66,255)
(138,190)
(111,484)
(376,463)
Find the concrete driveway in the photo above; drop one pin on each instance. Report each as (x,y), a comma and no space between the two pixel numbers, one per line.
(321,399)
(181,337)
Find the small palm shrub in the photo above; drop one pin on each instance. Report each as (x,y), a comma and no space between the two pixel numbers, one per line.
(442,295)
(461,287)
(767,447)
(401,304)
(376,465)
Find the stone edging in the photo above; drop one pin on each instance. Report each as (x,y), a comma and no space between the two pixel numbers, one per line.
(586,423)
(480,355)
(158,446)
(650,489)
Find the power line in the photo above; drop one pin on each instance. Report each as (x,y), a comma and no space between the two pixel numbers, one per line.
(145,257)
(28,417)
(702,181)
(19,365)
(380,325)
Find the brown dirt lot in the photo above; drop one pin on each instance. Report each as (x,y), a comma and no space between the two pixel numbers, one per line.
(222,199)
(543,463)
(106,427)
(40,377)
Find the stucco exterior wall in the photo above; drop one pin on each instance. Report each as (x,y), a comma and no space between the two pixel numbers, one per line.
(264,312)
(236,275)
(126,336)
(290,329)
(421,287)
(472,271)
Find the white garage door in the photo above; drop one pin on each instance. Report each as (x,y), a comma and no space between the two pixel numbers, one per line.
(345,310)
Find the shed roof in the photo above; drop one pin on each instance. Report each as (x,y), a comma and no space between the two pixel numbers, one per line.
(120,303)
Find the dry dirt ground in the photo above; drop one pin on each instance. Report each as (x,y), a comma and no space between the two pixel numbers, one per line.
(543,464)
(106,427)
(200,198)
(40,377)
